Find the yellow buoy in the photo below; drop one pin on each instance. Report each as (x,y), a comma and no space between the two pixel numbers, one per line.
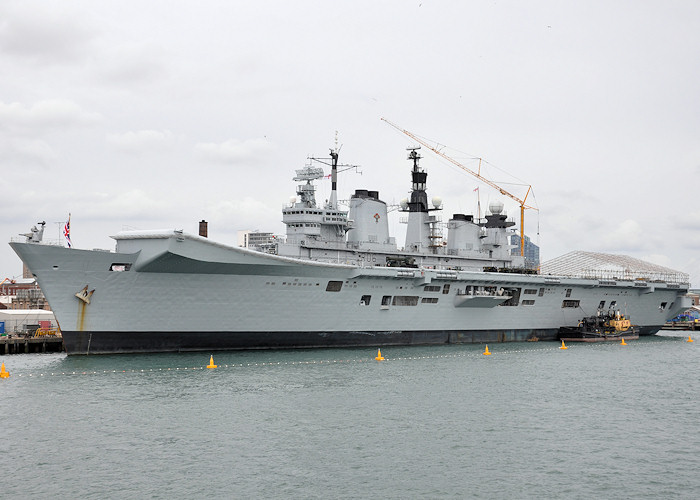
(4,373)
(211,363)
(690,339)
(623,341)
(563,346)
(379,355)
(486,352)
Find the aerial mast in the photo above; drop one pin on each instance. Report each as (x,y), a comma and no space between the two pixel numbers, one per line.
(483,179)
(334,175)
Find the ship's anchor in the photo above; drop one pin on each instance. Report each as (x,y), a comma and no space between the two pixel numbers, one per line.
(84,295)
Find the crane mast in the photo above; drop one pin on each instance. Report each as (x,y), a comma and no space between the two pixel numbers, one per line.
(483,179)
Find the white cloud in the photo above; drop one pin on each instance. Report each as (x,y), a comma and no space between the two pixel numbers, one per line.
(632,237)
(141,140)
(235,151)
(239,214)
(24,151)
(132,63)
(625,235)
(690,221)
(44,116)
(662,260)
(48,35)
(128,205)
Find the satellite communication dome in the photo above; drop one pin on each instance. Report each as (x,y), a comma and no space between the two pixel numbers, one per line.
(292,200)
(404,203)
(496,207)
(437,201)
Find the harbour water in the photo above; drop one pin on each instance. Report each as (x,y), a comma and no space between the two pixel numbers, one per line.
(529,421)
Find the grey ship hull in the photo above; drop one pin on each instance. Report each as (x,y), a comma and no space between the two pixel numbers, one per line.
(169,291)
(133,342)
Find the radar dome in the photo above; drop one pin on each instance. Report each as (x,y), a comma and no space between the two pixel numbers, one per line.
(496,207)
(292,200)
(437,201)
(404,203)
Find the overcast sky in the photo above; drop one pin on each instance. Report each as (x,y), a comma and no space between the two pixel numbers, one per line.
(144,115)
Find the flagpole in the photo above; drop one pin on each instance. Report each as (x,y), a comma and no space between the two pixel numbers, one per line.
(66,232)
(478,204)
(478,196)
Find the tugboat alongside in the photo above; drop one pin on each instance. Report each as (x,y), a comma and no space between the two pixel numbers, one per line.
(604,326)
(336,279)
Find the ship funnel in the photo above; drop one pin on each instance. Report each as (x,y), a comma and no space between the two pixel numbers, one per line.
(203,228)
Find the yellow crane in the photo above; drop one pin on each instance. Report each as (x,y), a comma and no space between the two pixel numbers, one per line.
(483,179)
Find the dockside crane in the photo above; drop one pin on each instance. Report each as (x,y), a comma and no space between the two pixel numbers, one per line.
(483,179)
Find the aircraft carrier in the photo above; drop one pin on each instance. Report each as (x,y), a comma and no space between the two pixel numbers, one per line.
(337,278)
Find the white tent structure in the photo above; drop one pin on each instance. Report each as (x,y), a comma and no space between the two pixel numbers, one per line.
(610,267)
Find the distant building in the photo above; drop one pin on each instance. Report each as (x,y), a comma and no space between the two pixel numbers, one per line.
(531,251)
(22,293)
(26,320)
(255,240)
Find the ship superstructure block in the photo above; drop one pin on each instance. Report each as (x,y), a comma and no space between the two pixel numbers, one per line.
(370,222)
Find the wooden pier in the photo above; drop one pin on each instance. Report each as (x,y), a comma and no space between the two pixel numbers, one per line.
(18,344)
(682,325)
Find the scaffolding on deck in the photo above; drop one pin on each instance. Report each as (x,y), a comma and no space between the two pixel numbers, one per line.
(602,266)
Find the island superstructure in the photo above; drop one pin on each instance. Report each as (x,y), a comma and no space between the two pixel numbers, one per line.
(338,278)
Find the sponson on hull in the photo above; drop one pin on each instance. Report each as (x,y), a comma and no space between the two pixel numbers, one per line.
(337,279)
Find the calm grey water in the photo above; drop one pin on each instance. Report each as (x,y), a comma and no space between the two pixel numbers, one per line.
(530,421)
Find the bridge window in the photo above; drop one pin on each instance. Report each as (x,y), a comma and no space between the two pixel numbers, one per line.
(119,267)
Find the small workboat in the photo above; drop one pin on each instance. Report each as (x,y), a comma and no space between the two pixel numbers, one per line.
(604,326)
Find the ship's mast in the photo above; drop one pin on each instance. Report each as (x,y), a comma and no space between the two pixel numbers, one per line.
(419,198)
(423,230)
(333,202)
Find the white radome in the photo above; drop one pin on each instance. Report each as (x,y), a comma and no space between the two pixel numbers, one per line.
(496,207)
